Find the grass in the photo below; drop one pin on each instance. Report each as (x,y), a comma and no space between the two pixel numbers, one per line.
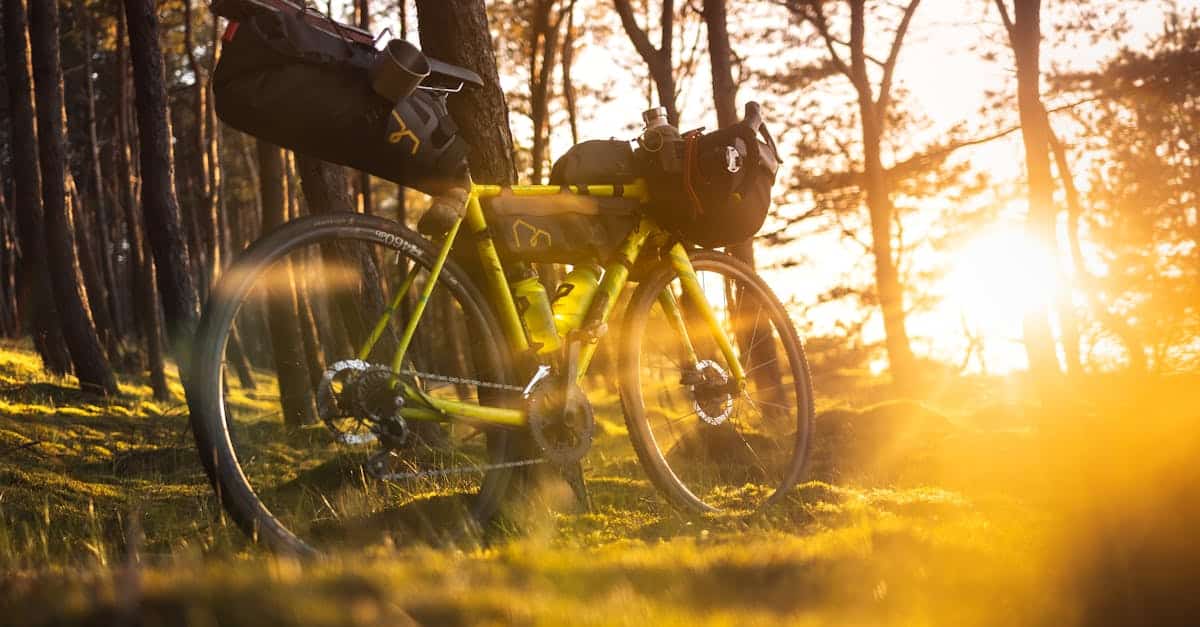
(975,507)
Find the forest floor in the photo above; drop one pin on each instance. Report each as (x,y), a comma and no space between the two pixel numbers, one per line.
(974,506)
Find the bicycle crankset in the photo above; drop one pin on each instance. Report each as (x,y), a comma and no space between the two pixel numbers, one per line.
(560,419)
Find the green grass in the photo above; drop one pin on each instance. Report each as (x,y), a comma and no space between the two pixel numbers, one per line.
(974,508)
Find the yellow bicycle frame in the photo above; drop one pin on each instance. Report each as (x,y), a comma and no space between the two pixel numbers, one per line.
(421,406)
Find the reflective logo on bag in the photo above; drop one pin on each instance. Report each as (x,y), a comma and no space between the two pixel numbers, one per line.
(525,232)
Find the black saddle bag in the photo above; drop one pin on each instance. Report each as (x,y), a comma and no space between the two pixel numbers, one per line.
(713,189)
(569,227)
(302,84)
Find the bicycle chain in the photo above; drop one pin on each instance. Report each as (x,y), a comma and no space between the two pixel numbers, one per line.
(444,472)
(457,470)
(444,378)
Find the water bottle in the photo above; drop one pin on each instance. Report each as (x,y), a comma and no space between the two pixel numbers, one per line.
(658,132)
(534,307)
(574,297)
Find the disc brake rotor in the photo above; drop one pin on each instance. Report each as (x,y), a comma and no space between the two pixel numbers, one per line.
(710,393)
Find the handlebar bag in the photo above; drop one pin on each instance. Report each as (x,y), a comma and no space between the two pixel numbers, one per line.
(284,80)
(713,189)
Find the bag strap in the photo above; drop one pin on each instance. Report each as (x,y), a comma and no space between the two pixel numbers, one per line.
(689,161)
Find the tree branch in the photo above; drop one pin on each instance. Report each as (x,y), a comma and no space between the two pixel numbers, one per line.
(640,40)
(889,67)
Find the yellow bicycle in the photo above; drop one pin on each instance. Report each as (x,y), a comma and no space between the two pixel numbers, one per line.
(350,374)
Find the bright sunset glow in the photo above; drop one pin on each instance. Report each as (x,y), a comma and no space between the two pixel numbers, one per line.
(998,277)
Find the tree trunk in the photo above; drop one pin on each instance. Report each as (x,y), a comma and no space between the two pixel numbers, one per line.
(724,89)
(90,270)
(889,291)
(206,209)
(283,317)
(543,50)
(104,216)
(658,60)
(9,311)
(143,277)
(568,85)
(1035,132)
(324,187)
(33,278)
(456,31)
(164,227)
(767,375)
(87,354)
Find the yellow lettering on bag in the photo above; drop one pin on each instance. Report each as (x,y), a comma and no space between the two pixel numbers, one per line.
(404,131)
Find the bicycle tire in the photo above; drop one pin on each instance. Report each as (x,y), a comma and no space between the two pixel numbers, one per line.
(665,475)
(206,402)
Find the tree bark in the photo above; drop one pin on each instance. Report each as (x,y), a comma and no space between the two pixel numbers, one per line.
(873,108)
(206,210)
(658,60)
(142,274)
(879,202)
(1026,37)
(543,50)
(568,85)
(456,31)
(33,278)
(324,186)
(283,317)
(87,354)
(164,227)
(104,216)
(9,310)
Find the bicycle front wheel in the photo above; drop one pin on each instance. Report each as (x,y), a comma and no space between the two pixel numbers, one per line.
(294,401)
(707,443)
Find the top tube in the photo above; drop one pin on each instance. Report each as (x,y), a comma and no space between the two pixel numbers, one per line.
(636,189)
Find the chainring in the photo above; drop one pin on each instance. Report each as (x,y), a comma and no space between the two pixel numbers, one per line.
(560,419)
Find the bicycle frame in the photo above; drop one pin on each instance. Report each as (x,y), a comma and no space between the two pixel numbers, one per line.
(421,406)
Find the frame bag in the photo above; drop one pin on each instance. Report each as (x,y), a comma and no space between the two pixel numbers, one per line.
(299,80)
(713,189)
(570,227)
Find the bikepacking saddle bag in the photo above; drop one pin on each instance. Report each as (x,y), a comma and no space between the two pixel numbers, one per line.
(570,227)
(712,189)
(300,80)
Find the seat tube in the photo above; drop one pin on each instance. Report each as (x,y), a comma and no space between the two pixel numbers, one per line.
(694,292)
(494,280)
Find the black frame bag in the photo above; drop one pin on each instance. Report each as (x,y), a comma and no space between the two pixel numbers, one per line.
(570,227)
(714,189)
(282,79)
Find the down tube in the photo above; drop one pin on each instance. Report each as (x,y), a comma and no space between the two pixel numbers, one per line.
(693,291)
(616,275)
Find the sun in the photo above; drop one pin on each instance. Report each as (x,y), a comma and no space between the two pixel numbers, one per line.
(995,279)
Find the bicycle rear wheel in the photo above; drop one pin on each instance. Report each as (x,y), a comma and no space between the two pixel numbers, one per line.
(296,424)
(707,445)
